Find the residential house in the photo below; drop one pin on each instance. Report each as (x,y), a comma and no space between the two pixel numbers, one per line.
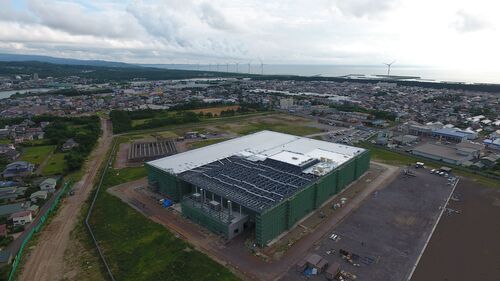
(21,218)
(9,152)
(8,209)
(48,185)
(12,193)
(38,195)
(69,145)
(18,169)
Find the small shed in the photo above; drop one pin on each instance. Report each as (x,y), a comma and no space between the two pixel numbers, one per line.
(317,261)
(3,230)
(332,271)
(6,257)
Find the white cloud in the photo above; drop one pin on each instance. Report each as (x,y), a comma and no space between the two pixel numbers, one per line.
(280,31)
(466,22)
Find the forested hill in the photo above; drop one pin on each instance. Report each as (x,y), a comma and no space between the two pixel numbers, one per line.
(101,73)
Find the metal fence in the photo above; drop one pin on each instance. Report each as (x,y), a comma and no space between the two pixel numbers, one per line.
(36,229)
(108,163)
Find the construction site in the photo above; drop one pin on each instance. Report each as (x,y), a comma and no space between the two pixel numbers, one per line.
(265,182)
(295,208)
(140,152)
(384,238)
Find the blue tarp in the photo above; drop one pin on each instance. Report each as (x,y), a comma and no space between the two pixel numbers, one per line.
(167,203)
(308,271)
(7,183)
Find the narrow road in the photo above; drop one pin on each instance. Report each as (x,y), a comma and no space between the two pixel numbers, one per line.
(46,260)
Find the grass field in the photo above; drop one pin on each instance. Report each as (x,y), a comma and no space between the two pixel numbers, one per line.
(55,164)
(203,143)
(36,154)
(139,249)
(287,128)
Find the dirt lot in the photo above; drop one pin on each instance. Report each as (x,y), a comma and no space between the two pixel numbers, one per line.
(234,253)
(465,246)
(216,110)
(46,260)
(389,231)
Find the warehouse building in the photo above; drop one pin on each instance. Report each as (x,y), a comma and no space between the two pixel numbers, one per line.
(265,181)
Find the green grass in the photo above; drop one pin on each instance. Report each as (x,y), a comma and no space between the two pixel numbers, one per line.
(203,143)
(282,127)
(139,249)
(36,154)
(55,164)
(137,122)
(5,141)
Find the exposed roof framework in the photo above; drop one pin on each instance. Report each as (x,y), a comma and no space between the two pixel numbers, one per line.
(255,185)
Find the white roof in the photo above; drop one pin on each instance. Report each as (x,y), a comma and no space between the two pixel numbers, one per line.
(293,158)
(262,144)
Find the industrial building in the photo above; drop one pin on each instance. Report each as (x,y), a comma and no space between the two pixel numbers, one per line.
(456,155)
(265,181)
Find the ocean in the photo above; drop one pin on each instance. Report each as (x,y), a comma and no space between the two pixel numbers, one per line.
(425,73)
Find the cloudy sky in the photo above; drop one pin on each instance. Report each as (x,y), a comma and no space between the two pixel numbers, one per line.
(444,33)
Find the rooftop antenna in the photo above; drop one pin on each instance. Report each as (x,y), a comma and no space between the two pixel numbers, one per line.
(389,67)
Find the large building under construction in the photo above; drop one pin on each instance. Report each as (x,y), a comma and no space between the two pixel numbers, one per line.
(265,181)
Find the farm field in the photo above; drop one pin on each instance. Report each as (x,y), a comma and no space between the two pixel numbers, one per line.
(36,154)
(54,165)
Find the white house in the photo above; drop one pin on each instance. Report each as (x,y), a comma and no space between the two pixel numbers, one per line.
(38,195)
(21,218)
(48,185)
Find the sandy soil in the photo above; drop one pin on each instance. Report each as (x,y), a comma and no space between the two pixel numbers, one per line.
(121,159)
(465,245)
(46,260)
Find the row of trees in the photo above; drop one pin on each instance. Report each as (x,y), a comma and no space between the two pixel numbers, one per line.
(180,114)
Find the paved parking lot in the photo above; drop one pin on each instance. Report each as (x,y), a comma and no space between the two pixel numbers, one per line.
(387,233)
(350,135)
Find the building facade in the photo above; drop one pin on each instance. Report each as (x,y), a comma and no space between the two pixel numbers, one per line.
(265,182)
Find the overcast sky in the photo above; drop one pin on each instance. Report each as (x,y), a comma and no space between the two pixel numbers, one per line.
(444,33)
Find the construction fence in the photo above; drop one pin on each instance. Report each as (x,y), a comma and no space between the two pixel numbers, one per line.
(36,229)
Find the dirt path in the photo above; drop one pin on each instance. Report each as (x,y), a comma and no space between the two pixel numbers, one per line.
(46,261)
(44,163)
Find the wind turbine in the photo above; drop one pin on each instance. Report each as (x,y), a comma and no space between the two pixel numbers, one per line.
(389,67)
(227,67)
(209,67)
(237,63)
(217,66)
(249,65)
(261,67)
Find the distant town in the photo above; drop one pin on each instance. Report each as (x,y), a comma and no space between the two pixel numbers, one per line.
(50,126)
